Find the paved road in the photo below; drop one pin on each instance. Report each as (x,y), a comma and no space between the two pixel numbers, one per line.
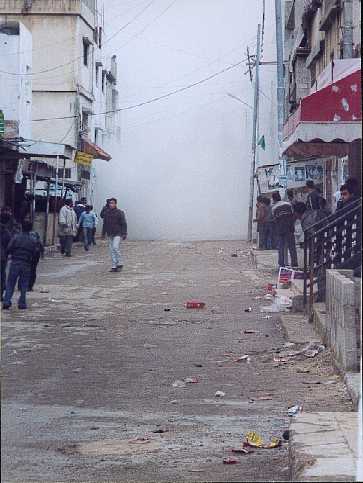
(90,367)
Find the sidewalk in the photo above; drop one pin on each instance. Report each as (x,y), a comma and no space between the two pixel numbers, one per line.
(323,446)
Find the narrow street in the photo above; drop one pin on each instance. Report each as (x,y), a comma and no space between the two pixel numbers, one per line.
(90,367)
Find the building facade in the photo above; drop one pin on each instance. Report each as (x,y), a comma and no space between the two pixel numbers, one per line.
(70,78)
(322,93)
(15,99)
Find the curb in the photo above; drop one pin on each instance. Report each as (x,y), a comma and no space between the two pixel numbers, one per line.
(352,380)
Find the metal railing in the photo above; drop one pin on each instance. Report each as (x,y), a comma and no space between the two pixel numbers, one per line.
(334,242)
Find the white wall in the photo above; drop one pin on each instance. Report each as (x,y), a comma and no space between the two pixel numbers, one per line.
(50,105)
(16,90)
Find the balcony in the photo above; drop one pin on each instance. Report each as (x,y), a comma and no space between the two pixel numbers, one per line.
(328,14)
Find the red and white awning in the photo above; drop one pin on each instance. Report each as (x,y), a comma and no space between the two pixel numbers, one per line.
(327,120)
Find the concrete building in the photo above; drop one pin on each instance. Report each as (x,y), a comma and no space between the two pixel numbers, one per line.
(15,97)
(322,93)
(69,78)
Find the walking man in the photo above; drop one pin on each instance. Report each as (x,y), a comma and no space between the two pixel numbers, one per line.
(67,228)
(283,216)
(88,222)
(23,249)
(38,254)
(115,226)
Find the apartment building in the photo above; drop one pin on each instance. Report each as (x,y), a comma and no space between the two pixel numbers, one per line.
(322,134)
(72,79)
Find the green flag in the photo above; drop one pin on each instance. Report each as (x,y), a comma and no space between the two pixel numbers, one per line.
(262,143)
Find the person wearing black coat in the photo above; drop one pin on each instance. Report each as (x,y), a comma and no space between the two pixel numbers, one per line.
(115,226)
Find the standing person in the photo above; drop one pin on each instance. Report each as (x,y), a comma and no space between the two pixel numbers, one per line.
(67,227)
(261,219)
(95,227)
(5,236)
(349,193)
(312,202)
(79,209)
(269,225)
(102,214)
(324,211)
(115,224)
(38,254)
(22,249)
(283,216)
(88,222)
(12,225)
(290,194)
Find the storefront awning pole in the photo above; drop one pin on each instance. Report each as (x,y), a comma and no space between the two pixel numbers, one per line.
(56,199)
(45,236)
(64,174)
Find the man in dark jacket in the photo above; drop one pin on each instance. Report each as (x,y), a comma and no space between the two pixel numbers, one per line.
(312,202)
(22,248)
(284,220)
(114,222)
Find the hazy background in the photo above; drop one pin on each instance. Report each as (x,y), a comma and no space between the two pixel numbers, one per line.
(181,169)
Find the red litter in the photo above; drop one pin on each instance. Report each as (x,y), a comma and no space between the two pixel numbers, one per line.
(195,304)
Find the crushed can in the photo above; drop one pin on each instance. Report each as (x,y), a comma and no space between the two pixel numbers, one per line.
(195,304)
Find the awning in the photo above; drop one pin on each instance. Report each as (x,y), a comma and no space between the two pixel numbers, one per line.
(44,150)
(326,120)
(94,150)
(313,139)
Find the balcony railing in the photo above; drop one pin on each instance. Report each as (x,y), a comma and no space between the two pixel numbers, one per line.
(335,242)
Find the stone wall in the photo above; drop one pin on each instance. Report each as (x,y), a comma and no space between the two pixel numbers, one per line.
(343,317)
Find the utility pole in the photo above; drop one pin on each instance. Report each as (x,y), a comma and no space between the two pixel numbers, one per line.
(348,29)
(254,134)
(280,80)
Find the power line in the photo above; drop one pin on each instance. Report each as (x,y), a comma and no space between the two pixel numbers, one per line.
(154,99)
(130,22)
(59,66)
(147,25)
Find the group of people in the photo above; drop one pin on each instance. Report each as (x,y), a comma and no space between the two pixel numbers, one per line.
(278,220)
(23,246)
(81,222)
(75,224)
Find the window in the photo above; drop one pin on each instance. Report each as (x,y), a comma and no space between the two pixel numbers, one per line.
(85,174)
(103,80)
(100,37)
(86,44)
(98,67)
(84,126)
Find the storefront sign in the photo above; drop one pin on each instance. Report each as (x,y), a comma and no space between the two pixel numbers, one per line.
(269,178)
(83,159)
(299,173)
